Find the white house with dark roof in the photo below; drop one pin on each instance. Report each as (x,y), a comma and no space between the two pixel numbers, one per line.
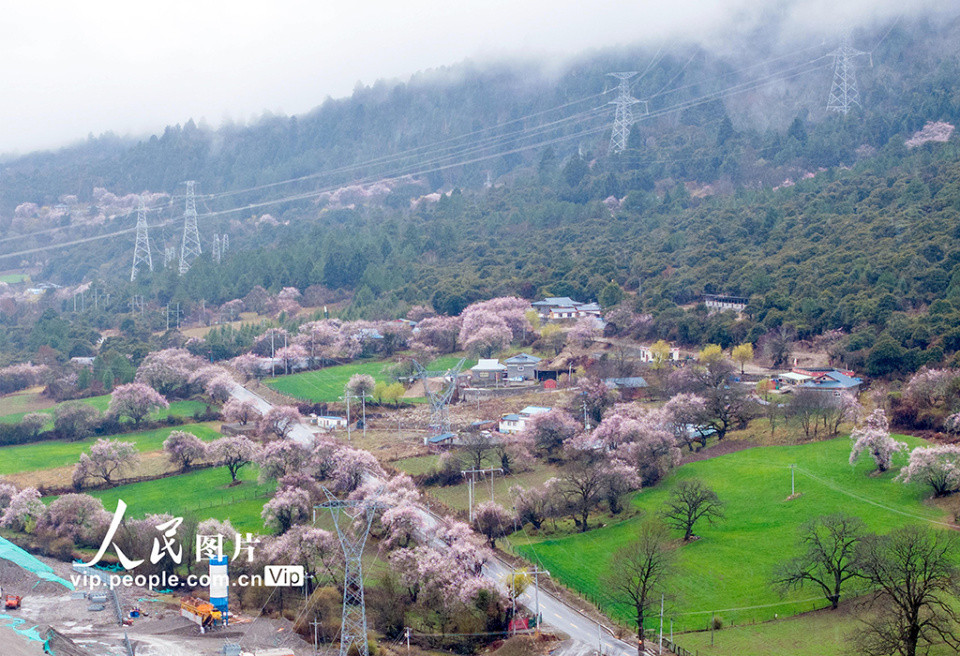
(516,422)
(522,367)
(564,307)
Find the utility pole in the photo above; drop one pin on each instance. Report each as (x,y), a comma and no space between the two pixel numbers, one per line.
(347,398)
(190,248)
(844,93)
(141,250)
(661,622)
(406,631)
(624,116)
(536,571)
(315,624)
(471,482)
(793,488)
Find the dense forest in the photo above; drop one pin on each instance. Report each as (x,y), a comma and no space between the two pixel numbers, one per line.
(476,182)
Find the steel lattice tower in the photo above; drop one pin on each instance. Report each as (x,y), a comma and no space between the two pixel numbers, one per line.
(190,247)
(141,251)
(353,536)
(844,94)
(169,255)
(216,249)
(224,244)
(440,401)
(624,117)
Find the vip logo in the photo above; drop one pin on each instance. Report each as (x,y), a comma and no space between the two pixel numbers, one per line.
(283,575)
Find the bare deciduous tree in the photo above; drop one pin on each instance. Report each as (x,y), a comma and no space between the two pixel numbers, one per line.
(691,501)
(828,559)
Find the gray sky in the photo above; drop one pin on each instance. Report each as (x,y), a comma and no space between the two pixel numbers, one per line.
(73,68)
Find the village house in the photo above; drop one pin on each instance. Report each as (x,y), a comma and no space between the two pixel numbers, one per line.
(514,423)
(724,303)
(646,354)
(834,381)
(522,367)
(564,307)
(488,373)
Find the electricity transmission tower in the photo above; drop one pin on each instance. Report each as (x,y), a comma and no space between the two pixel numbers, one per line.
(169,255)
(844,94)
(190,247)
(624,117)
(216,249)
(352,519)
(141,251)
(440,400)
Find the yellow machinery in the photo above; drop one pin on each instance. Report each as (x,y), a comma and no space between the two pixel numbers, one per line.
(200,612)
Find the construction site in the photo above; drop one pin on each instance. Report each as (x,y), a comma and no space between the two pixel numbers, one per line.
(99,621)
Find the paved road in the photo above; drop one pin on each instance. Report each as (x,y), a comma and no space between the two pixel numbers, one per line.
(556,612)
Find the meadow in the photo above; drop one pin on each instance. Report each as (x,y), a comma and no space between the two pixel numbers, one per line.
(57,453)
(327,385)
(11,412)
(727,571)
(204,493)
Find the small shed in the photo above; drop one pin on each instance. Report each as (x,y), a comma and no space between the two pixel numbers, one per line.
(630,388)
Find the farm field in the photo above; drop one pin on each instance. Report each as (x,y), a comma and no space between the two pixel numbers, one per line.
(24,401)
(205,493)
(11,414)
(729,568)
(56,453)
(14,278)
(326,385)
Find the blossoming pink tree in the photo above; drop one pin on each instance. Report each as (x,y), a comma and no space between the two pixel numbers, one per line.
(278,421)
(937,466)
(586,331)
(136,401)
(873,437)
(168,371)
(279,458)
(687,418)
(235,453)
(439,333)
(550,430)
(24,511)
(287,508)
(240,412)
(105,461)
(78,517)
(493,521)
(183,449)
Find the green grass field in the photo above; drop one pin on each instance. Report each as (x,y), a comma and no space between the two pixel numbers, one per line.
(204,493)
(14,278)
(46,455)
(327,385)
(101,403)
(729,569)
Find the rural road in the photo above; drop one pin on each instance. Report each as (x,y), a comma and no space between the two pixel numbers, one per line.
(555,612)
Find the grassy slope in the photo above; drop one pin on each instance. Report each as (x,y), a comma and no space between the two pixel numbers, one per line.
(10,415)
(730,567)
(14,278)
(326,385)
(205,493)
(44,455)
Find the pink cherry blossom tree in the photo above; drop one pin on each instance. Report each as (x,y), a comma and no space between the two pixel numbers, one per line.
(292,356)
(78,517)
(168,371)
(184,449)
(287,508)
(488,339)
(929,388)
(873,437)
(550,430)
(271,341)
(591,477)
(278,421)
(439,333)
(687,416)
(402,525)
(321,339)
(219,388)
(240,412)
(235,453)
(316,550)
(75,420)
(24,511)
(937,466)
(135,400)
(279,458)
(533,504)
(105,461)
(586,331)
(352,466)
(249,366)
(7,492)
